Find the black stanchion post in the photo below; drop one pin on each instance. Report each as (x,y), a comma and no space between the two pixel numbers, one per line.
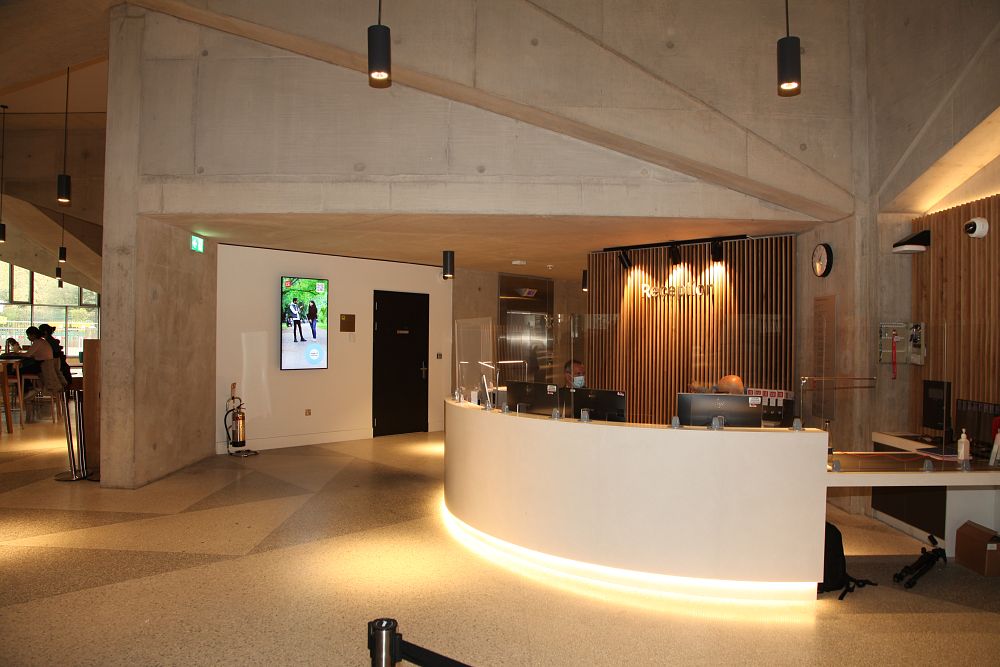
(382,639)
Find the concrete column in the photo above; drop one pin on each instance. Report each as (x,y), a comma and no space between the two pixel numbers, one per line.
(121,185)
(158,301)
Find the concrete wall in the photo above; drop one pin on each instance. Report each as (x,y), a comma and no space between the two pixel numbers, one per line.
(340,396)
(175,350)
(932,69)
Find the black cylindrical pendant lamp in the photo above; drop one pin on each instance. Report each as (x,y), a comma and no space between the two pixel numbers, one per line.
(717,252)
(789,63)
(63,189)
(3,233)
(585,285)
(789,67)
(58,272)
(60,282)
(62,254)
(379,54)
(448,264)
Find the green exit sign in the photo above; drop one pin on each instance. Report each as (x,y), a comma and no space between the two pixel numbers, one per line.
(197,243)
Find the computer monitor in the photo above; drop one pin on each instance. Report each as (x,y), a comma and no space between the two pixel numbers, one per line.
(937,405)
(601,404)
(736,409)
(536,398)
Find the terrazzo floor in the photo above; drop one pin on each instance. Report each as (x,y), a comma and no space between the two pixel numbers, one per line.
(282,559)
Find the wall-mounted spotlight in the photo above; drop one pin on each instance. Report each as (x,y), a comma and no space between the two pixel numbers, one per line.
(675,254)
(977,228)
(625,260)
(717,252)
(789,63)
(379,55)
(585,283)
(63,186)
(448,264)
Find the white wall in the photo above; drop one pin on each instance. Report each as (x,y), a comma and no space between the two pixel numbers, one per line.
(340,397)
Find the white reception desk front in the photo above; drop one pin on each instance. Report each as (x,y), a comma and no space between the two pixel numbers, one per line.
(738,513)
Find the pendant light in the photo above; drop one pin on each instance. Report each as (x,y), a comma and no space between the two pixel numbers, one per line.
(718,254)
(585,284)
(789,63)
(379,58)
(63,186)
(3,158)
(62,245)
(448,264)
(59,275)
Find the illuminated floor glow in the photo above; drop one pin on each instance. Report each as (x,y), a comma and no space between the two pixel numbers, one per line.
(793,601)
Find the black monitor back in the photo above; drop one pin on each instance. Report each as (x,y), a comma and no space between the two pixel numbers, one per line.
(937,406)
(737,409)
(533,398)
(602,404)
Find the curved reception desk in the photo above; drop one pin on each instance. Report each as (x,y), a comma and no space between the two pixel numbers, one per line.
(734,513)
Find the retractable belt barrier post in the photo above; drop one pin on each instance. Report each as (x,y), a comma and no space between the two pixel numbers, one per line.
(387,647)
(78,458)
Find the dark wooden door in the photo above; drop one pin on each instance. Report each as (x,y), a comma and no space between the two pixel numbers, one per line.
(399,364)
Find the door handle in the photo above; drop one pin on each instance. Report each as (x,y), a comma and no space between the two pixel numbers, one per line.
(423,370)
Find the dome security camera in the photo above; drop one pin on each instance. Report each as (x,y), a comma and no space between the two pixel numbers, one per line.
(977,228)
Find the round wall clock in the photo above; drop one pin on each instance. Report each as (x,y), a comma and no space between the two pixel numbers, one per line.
(822,260)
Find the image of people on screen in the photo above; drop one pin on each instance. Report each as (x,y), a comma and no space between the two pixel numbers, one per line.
(304,299)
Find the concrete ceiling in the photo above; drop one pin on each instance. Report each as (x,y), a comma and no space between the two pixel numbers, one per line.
(481,242)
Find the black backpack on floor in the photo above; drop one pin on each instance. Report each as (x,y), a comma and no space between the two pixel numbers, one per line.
(835,576)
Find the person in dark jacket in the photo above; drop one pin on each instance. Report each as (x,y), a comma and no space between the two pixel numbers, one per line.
(312,315)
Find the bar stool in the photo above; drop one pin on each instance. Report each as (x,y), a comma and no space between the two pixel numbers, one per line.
(16,381)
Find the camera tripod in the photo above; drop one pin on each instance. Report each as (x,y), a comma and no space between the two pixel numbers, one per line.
(922,565)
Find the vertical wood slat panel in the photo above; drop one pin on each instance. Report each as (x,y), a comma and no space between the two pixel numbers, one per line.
(956,290)
(653,348)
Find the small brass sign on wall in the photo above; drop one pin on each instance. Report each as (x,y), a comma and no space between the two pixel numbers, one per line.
(347,322)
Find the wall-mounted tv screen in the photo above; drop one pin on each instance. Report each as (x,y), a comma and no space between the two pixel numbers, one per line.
(304,318)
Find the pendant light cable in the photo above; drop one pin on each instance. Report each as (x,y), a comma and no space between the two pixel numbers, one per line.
(3,152)
(66,123)
(787,30)
(380,11)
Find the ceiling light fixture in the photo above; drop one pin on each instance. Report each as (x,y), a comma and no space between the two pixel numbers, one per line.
(59,275)
(585,285)
(675,254)
(3,158)
(789,63)
(625,260)
(63,186)
(379,57)
(448,264)
(62,244)
(717,251)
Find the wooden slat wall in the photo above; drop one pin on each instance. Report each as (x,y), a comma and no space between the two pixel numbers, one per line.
(653,348)
(956,294)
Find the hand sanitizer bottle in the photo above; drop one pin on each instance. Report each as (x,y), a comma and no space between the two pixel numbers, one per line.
(963,447)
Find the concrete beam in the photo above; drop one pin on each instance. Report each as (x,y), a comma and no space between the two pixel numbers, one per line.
(767,172)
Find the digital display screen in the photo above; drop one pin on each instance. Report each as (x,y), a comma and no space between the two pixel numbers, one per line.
(304,323)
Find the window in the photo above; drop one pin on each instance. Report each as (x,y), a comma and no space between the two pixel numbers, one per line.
(21,286)
(81,322)
(30,299)
(4,282)
(48,292)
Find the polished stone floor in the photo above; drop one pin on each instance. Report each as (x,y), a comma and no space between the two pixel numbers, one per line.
(281,559)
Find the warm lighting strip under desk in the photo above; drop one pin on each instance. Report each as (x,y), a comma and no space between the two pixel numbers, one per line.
(574,574)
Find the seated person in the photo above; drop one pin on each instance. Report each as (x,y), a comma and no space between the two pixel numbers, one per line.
(727,384)
(12,346)
(46,331)
(39,351)
(730,384)
(573,371)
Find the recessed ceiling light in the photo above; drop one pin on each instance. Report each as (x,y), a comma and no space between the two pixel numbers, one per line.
(519,262)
